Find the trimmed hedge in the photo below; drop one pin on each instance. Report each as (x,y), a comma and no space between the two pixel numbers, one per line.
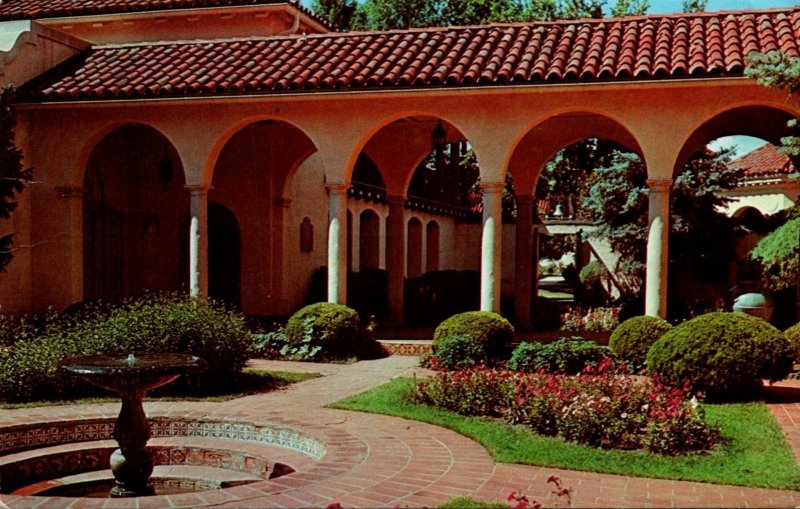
(325,330)
(460,351)
(793,335)
(722,353)
(490,329)
(632,339)
(568,356)
(164,323)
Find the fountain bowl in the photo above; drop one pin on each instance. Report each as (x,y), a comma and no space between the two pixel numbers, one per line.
(121,373)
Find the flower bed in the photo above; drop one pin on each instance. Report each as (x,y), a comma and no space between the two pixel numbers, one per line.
(599,407)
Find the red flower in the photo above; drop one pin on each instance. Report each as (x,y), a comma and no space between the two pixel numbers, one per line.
(334,505)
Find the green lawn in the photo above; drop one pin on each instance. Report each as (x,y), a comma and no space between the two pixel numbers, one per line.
(754,452)
(249,381)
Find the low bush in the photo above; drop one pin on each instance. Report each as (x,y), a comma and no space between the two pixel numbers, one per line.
(567,356)
(632,339)
(793,335)
(154,324)
(722,353)
(327,331)
(489,329)
(460,351)
(600,408)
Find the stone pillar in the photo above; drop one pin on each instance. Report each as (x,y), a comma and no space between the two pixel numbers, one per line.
(523,262)
(337,243)
(198,241)
(491,246)
(395,257)
(655,301)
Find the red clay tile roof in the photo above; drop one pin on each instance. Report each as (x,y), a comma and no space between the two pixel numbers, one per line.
(645,48)
(764,161)
(40,9)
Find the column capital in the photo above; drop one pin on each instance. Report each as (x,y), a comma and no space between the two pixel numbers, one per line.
(492,187)
(396,199)
(197,189)
(69,192)
(282,202)
(337,189)
(659,185)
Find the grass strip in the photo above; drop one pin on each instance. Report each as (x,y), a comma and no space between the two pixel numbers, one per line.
(754,452)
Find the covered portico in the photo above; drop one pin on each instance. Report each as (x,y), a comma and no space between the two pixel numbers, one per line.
(282,156)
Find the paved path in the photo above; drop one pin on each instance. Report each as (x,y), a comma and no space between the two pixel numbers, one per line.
(380,461)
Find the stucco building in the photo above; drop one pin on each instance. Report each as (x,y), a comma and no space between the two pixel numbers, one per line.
(213,145)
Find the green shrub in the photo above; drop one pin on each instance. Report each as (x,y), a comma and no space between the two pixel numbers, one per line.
(632,339)
(324,331)
(721,353)
(490,329)
(460,351)
(164,323)
(793,335)
(567,356)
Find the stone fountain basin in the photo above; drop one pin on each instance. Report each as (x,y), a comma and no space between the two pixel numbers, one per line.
(123,373)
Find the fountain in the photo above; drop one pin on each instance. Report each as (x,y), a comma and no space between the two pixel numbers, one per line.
(131,377)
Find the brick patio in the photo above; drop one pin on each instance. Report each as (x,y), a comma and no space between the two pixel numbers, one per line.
(375,460)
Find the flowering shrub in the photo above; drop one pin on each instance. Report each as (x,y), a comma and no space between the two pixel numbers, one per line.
(601,407)
(474,391)
(568,356)
(595,320)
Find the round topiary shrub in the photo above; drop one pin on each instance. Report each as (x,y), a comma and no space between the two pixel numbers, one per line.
(568,356)
(460,351)
(490,329)
(632,339)
(793,335)
(721,353)
(324,330)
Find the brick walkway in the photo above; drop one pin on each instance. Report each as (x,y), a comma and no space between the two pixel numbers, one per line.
(380,461)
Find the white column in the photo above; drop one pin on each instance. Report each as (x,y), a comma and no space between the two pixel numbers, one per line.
(198,241)
(655,300)
(491,245)
(337,243)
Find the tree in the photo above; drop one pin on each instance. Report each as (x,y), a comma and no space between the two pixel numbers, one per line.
(630,8)
(390,14)
(779,255)
(339,13)
(694,5)
(13,177)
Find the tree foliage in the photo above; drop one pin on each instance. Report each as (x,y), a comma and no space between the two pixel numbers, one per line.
(339,13)
(390,14)
(701,237)
(13,177)
(779,252)
(694,5)
(779,255)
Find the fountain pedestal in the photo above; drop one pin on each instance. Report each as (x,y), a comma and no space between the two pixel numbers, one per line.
(131,377)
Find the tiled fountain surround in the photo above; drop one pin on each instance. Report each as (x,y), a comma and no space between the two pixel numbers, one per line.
(44,461)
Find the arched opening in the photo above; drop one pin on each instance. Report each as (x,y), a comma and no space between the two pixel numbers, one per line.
(135,206)
(224,255)
(249,179)
(414,248)
(369,240)
(749,196)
